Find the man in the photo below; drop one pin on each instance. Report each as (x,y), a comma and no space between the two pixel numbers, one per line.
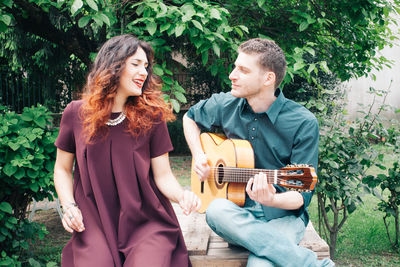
(273,220)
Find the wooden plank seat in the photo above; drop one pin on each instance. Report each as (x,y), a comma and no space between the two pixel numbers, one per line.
(207,249)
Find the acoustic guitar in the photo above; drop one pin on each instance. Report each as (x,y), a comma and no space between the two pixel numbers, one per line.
(232,164)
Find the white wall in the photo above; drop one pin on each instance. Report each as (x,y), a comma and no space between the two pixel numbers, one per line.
(358,88)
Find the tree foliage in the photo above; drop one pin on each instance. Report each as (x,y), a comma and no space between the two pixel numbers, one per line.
(338,36)
(196,28)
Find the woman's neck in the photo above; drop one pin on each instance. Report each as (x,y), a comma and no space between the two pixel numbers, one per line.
(119,103)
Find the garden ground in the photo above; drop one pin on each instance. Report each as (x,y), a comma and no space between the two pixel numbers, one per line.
(362,242)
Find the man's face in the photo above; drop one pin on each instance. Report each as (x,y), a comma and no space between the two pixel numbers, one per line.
(247,77)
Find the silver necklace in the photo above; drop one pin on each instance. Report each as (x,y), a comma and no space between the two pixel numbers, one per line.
(117,120)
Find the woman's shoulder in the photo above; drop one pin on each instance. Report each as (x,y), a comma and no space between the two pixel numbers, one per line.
(72,109)
(73,106)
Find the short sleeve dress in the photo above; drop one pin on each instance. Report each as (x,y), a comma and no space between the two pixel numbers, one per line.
(128,222)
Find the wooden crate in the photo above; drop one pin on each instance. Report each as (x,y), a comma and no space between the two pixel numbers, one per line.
(206,249)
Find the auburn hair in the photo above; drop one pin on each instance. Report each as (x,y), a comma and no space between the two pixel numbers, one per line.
(101,87)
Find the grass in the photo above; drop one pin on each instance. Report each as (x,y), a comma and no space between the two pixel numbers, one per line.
(361,242)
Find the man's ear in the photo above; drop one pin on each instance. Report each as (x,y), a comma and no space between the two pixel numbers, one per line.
(269,78)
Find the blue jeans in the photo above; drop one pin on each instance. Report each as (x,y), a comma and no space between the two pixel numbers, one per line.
(270,242)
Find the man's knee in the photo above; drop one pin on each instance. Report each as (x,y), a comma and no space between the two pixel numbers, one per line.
(217,210)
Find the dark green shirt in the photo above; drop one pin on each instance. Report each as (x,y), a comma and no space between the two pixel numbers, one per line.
(286,134)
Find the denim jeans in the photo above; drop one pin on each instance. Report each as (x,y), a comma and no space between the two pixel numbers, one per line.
(270,242)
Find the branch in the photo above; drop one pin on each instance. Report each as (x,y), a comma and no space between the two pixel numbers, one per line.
(33,19)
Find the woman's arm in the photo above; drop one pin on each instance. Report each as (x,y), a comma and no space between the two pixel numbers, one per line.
(63,182)
(169,186)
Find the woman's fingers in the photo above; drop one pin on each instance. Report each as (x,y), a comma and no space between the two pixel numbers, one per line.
(190,202)
(73,220)
(65,225)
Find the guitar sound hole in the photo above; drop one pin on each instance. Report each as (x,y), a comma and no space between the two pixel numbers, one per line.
(220,174)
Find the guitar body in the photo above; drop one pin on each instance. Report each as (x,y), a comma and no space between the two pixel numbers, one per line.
(222,152)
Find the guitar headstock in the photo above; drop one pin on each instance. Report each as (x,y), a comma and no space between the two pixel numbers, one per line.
(300,177)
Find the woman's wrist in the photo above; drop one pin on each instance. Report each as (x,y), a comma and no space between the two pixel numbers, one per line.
(69,205)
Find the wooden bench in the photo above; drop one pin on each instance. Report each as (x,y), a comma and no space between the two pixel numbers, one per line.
(206,249)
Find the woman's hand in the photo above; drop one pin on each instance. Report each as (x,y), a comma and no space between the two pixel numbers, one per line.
(72,219)
(189,202)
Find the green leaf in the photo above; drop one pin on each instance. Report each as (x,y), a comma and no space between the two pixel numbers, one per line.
(164,27)
(34,187)
(20,173)
(76,6)
(84,21)
(179,30)
(204,57)
(92,5)
(151,27)
(41,122)
(181,97)
(215,14)
(260,3)
(333,164)
(216,49)
(32,173)
(9,169)
(105,19)
(98,20)
(7,262)
(298,66)
(8,3)
(310,50)
(157,70)
(34,263)
(175,105)
(311,68)
(244,28)
(12,220)
(167,80)
(14,146)
(303,26)
(6,19)
(6,207)
(197,25)
(324,66)
(27,116)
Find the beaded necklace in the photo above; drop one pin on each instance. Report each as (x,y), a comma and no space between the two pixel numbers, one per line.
(117,120)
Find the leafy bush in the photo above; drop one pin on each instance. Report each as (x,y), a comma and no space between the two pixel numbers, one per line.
(389,182)
(27,156)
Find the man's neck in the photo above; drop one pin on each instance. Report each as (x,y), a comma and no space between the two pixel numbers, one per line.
(262,102)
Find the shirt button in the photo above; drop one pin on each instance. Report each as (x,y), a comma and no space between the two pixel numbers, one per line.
(255,119)
(254,129)
(252,138)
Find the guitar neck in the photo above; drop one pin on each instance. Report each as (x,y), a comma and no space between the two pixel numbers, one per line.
(242,175)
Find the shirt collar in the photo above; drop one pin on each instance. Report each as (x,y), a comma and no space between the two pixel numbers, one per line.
(273,110)
(277,106)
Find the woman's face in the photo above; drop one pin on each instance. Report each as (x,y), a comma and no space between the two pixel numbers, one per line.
(134,74)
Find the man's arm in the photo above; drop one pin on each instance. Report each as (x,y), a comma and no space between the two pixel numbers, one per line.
(260,191)
(192,136)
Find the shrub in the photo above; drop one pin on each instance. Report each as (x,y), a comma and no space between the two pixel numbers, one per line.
(27,156)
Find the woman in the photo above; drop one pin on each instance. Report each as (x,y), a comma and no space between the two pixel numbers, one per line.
(117,206)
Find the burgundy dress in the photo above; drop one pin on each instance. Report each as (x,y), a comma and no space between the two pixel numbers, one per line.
(128,221)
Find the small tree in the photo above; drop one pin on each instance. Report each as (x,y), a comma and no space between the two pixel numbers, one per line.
(345,155)
(389,182)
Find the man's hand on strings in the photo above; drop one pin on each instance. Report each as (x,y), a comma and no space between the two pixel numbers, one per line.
(260,191)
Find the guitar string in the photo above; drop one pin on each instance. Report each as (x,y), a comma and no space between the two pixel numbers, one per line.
(236,174)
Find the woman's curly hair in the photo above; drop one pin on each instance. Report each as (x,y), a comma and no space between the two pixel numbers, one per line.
(102,83)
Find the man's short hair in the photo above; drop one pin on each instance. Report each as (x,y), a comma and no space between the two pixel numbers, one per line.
(271,58)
